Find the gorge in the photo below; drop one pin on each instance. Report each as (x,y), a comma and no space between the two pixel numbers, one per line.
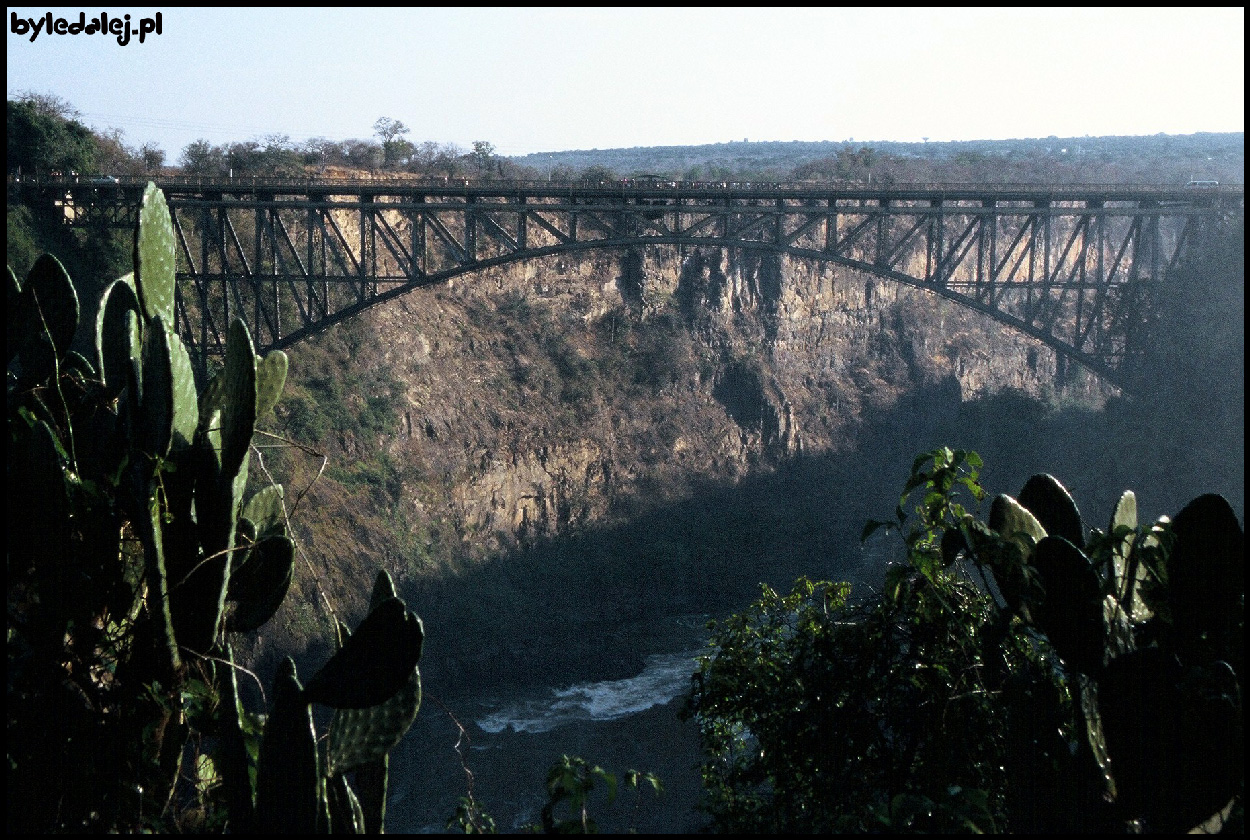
(561,462)
(583,409)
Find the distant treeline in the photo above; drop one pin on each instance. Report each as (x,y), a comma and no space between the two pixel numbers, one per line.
(45,135)
(1149,159)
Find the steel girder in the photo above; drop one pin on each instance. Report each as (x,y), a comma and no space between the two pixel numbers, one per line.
(1069,266)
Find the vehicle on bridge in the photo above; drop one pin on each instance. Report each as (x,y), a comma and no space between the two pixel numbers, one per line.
(1202,185)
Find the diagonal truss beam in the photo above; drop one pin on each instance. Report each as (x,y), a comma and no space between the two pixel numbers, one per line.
(1048,262)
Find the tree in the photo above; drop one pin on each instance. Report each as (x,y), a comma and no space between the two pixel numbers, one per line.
(598,174)
(363,153)
(394,148)
(123,709)
(1093,685)
(817,713)
(448,159)
(41,139)
(425,155)
(153,157)
(49,105)
(482,154)
(201,157)
(244,158)
(112,156)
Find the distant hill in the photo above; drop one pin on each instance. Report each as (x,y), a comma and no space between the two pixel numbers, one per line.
(1167,156)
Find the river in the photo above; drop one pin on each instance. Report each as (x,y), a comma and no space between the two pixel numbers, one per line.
(510,743)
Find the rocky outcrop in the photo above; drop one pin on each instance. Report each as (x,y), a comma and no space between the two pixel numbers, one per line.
(540,394)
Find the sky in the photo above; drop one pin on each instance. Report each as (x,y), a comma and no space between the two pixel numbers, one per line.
(538,79)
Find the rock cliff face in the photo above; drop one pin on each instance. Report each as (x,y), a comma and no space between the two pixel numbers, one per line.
(543,393)
(546,397)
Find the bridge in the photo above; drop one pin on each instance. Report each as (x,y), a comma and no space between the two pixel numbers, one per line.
(1070,265)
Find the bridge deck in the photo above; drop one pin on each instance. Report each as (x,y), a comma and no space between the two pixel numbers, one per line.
(641,188)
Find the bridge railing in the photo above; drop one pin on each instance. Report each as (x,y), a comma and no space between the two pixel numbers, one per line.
(624,185)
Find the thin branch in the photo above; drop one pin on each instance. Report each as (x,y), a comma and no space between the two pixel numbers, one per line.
(260,461)
(236,666)
(210,557)
(305,449)
(462,735)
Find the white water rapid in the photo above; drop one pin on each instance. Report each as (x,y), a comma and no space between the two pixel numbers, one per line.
(665,676)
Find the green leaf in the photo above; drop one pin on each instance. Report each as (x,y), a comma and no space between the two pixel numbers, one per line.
(1129,573)
(201,600)
(897,583)
(1125,513)
(46,318)
(1206,575)
(270,377)
(371,782)
(383,589)
(374,663)
(1071,613)
(156,409)
(238,413)
(1011,519)
(79,365)
(265,509)
(346,816)
(288,784)
(210,408)
(361,736)
(1053,506)
(186,410)
(236,758)
(154,256)
(118,338)
(260,584)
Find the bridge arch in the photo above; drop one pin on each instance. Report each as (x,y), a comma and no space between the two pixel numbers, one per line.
(1090,362)
(1068,266)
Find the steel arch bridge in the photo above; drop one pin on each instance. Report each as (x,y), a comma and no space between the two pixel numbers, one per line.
(1071,266)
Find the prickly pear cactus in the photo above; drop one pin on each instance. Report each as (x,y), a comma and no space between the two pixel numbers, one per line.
(1150,621)
(136,551)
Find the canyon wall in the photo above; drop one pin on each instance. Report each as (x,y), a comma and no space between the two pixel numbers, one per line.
(535,397)
(532,402)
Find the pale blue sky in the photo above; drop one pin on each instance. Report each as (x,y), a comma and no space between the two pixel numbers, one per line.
(534,80)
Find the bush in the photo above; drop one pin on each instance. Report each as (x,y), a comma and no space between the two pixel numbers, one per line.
(1079,682)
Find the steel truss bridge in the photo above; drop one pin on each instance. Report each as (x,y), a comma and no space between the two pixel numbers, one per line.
(1071,266)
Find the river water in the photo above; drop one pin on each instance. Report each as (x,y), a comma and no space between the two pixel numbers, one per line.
(665,676)
(509,743)
(500,747)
